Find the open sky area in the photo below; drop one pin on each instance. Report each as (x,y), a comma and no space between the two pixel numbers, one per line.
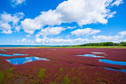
(62,22)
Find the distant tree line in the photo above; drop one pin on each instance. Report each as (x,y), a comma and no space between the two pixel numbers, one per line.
(105,44)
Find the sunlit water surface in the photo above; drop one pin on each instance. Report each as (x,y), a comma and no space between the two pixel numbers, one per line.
(122,70)
(112,62)
(19,61)
(90,55)
(15,54)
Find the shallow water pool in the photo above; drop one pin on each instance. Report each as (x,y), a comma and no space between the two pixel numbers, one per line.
(112,62)
(90,55)
(19,61)
(98,52)
(15,54)
(2,49)
(122,70)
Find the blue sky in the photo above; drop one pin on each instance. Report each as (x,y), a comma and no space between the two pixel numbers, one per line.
(61,22)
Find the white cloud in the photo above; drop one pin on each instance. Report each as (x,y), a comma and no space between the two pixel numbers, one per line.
(23,40)
(84,11)
(81,11)
(71,27)
(117,2)
(17,2)
(67,36)
(18,28)
(100,38)
(12,18)
(46,18)
(50,17)
(30,25)
(63,41)
(87,31)
(50,31)
(8,21)
(38,40)
(6,31)
(111,14)
(4,26)
(28,36)
(123,33)
(107,38)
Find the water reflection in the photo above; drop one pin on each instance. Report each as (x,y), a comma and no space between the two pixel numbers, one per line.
(90,55)
(19,61)
(15,54)
(122,70)
(112,62)
(98,52)
(2,49)
(51,49)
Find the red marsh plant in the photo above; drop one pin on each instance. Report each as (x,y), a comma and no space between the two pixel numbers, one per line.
(68,68)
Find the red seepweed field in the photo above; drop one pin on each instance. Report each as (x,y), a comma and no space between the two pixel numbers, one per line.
(63,67)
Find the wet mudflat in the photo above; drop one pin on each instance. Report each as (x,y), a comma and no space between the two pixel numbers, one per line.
(63,65)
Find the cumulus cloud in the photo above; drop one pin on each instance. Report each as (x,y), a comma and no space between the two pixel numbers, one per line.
(50,31)
(72,27)
(95,39)
(100,38)
(111,14)
(11,18)
(87,31)
(38,40)
(9,21)
(60,41)
(6,31)
(123,33)
(28,36)
(107,38)
(30,25)
(24,40)
(18,28)
(17,2)
(5,26)
(67,36)
(117,2)
(80,11)
(46,18)
(84,11)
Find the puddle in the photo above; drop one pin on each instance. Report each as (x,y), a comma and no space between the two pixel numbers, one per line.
(51,49)
(15,54)
(19,61)
(122,70)
(98,52)
(2,49)
(90,55)
(112,62)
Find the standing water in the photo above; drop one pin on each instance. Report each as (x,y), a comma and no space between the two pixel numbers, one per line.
(19,61)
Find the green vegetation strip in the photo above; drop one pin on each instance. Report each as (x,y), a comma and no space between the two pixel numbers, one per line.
(86,47)
(41,73)
(7,74)
(1,77)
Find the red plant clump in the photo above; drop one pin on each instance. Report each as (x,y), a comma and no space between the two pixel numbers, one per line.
(63,68)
